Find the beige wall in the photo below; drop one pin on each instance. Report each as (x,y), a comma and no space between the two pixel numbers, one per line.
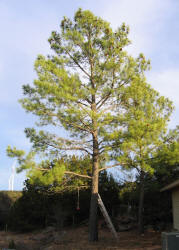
(175,204)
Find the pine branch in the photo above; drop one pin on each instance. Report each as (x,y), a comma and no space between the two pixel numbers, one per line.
(104,99)
(75,142)
(68,148)
(75,61)
(68,172)
(77,148)
(80,175)
(115,165)
(77,126)
(84,104)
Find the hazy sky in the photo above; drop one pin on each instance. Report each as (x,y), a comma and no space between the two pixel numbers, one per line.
(25,27)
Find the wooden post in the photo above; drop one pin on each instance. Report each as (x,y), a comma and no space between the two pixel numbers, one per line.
(106,217)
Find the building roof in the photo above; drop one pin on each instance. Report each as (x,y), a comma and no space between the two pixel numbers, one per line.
(170,186)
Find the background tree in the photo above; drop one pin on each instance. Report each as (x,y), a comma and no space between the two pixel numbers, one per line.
(145,123)
(167,158)
(52,202)
(77,89)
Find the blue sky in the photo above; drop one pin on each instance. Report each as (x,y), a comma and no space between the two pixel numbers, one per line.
(25,27)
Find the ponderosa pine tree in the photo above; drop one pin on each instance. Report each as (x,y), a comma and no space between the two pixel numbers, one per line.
(145,122)
(78,89)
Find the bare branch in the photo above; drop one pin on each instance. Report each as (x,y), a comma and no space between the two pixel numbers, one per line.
(75,142)
(104,99)
(75,61)
(84,104)
(70,123)
(80,175)
(68,172)
(77,148)
(112,106)
(68,148)
(83,144)
(78,126)
(86,111)
(43,169)
(115,165)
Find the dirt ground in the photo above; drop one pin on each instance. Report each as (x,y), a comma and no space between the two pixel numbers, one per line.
(77,239)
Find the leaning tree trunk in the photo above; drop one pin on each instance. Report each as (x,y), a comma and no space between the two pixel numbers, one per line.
(141,204)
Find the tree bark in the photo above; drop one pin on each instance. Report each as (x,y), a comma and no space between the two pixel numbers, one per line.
(141,204)
(93,220)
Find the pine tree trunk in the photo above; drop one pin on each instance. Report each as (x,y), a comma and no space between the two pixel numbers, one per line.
(141,204)
(93,220)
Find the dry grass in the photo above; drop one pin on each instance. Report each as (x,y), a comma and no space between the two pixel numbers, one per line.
(77,239)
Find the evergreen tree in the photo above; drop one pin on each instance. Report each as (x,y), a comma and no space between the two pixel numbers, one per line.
(166,161)
(145,123)
(78,88)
